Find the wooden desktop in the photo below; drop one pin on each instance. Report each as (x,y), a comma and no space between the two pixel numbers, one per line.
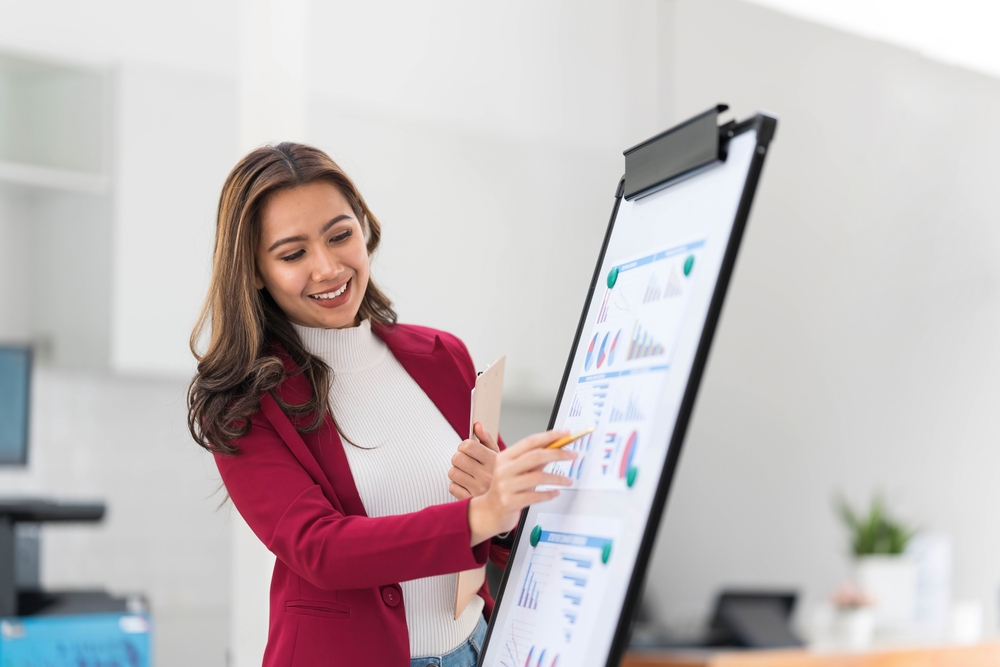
(978,655)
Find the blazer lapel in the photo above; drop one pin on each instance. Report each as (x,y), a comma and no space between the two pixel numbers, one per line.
(433,368)
(339,469)
(286,431)
(310,449)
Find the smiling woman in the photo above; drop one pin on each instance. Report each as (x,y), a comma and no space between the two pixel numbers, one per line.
(304,355)
(319,275)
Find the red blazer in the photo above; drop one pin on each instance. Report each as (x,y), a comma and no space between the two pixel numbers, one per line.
(335,594)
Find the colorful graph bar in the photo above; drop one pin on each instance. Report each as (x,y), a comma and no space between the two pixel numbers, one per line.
(528,597)
(602,314)
(643,345)
(674,286)
(574,599)
(576,409)
(653,291)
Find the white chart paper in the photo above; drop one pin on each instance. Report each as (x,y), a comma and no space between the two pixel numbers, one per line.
(564,593)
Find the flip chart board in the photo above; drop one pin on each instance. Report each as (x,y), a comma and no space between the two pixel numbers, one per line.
(577,567)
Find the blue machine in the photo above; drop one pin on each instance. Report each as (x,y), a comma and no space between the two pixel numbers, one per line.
(91,640)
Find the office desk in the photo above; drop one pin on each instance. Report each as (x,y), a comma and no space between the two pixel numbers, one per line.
(979,655)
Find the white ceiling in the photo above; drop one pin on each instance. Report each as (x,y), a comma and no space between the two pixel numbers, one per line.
(956,32)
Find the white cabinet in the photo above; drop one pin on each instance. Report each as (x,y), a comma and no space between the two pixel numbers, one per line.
(109,180)
(55,209)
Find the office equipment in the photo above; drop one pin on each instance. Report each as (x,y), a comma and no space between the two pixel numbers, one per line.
(52,628)
(577,567)
(15,403)
(93,640)
(755,619)
(14,511)
(40,628)
(750,619)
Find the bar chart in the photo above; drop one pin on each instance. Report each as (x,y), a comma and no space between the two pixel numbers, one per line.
(560,591)
(643,344)
(629,410)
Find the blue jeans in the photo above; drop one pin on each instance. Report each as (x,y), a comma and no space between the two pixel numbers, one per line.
(466,655)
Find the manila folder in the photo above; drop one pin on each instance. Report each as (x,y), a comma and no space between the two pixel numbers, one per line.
(486,397)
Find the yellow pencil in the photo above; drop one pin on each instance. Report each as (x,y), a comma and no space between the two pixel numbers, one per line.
(565,440)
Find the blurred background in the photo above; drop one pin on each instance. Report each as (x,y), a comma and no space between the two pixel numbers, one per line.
(858,353)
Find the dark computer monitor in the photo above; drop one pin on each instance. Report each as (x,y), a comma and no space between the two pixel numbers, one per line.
(15,389)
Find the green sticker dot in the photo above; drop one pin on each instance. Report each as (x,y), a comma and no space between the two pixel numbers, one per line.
(612,277)
(630,476)
(606,552)
(688,265)
(536,534)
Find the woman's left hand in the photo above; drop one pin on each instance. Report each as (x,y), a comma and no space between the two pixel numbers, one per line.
(472,465)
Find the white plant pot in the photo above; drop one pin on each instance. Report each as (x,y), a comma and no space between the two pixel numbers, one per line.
(854,628)
(891,581)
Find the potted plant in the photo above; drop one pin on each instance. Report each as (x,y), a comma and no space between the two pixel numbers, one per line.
(853,620)
(882,570)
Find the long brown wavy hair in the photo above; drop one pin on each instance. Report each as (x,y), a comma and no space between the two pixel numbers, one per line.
(247,329)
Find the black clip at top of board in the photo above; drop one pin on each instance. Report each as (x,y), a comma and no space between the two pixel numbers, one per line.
(667,157)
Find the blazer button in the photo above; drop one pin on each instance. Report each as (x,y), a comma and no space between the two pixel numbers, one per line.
(390,596)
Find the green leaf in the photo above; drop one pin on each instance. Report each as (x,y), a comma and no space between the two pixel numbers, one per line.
(875,533)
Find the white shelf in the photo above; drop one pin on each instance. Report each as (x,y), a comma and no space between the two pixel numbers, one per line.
(53,179)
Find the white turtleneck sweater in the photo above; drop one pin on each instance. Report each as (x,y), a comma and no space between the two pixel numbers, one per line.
(400,457)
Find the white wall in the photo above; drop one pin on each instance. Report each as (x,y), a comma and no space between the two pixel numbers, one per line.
(176,139)
(488,141)
(188,34)
(858,348)
(959,32)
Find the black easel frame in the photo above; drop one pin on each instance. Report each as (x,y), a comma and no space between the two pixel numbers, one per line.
(652,165)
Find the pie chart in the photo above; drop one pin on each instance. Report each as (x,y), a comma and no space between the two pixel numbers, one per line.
(601,356)
(588,361)
(614,346)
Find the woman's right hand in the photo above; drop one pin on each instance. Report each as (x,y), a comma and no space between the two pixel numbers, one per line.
(518,470)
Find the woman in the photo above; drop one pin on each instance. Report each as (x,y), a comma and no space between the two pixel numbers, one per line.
(335,429)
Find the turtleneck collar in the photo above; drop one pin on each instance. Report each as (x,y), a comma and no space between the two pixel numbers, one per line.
(344,350)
